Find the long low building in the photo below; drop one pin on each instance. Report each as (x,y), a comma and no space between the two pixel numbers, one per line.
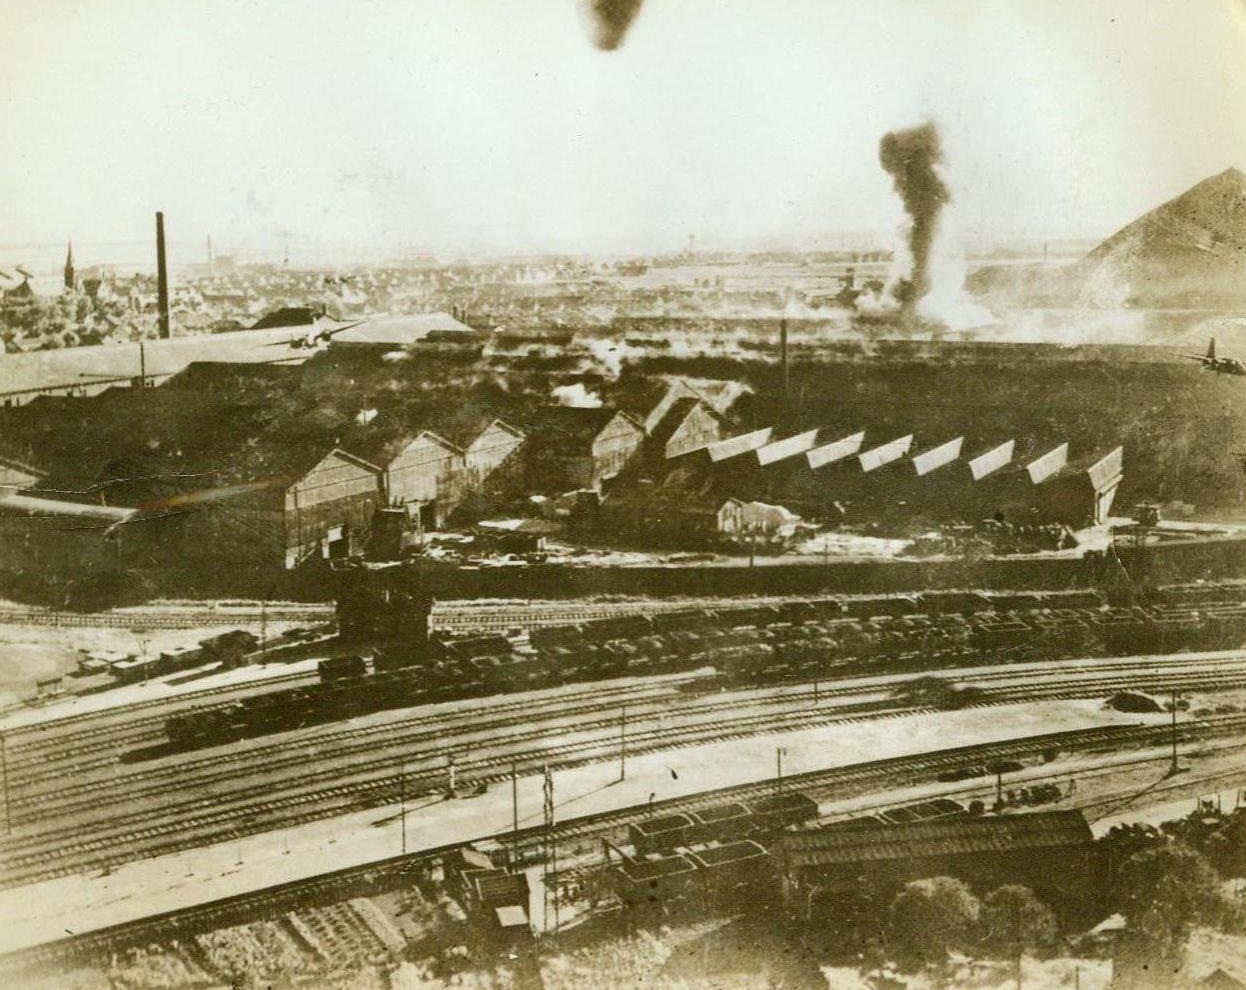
(1050,851)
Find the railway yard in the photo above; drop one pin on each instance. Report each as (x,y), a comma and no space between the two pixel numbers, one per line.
(306,789)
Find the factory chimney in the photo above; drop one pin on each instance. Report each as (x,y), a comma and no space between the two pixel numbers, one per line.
(162,279)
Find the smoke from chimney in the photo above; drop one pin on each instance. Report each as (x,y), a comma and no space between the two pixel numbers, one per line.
(912,157)
(607,21)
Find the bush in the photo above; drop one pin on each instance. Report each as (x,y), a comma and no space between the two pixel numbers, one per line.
(930,918)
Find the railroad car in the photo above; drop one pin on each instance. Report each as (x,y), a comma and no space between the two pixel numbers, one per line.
(728,822)
(937,602)
(337,668)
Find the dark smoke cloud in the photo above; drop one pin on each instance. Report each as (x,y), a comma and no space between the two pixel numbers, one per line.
(608,20)
(911,158)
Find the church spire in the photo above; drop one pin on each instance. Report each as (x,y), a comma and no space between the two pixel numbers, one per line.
(69,267)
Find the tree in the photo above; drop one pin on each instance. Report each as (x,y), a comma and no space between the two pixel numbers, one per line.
(1014,921)
(1163,893)
(929,918)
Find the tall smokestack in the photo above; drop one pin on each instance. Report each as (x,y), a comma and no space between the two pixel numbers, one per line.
(162,279)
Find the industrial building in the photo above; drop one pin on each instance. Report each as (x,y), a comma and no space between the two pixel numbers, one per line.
(1050,851)
(580,448)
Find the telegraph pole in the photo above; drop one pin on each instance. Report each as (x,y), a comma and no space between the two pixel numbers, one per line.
(1174,767)
(778,759)
(551,851)
(623,744)
(402,804)
(514,816)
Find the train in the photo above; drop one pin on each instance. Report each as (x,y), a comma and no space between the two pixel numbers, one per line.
(758,644)
(229,649)
(728,822)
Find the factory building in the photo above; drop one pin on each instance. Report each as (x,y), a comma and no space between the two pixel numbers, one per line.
(488,450)
(1050,851)
(282,507)
(574,448)
(688,424)
(416,471)
(1081,492)
(326,510)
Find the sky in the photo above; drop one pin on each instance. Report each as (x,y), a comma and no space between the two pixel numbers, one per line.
(494,125)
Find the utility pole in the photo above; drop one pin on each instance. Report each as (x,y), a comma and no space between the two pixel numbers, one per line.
(402,804)
(551,851)
(623,744)
(514,816)
(1174,767)
(779,753)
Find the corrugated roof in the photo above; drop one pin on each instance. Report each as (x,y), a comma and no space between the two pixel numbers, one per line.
(742,444)
(838,450)
(782,449)
(928,839)
(992,460)
(876,457)
(937,457)
(1042,468)
(570,422)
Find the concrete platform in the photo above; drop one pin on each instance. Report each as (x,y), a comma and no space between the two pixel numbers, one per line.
(43,912)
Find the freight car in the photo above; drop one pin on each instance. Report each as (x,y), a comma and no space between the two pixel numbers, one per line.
(723,823)
(340,668)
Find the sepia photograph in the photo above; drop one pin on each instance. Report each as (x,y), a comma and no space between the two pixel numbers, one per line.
(623,495)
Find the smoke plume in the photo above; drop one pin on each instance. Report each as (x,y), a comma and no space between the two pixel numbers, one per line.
(912,158)
(607,21)
(576,395)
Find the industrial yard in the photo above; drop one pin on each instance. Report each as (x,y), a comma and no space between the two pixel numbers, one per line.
(669,496)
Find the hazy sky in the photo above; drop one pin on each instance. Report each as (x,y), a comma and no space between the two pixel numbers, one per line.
(494,123)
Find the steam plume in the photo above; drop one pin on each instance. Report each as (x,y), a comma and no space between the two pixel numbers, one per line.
(912,158)
(607,21)
(576,395)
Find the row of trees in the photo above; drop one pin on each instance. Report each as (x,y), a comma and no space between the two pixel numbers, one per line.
(1164,889)
(934,917)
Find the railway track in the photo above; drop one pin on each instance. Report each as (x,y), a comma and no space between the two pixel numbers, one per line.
(446,615)
(374,876)
(27,776)
(205,820)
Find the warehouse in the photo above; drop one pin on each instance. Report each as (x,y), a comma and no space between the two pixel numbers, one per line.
(1081,492)
(1050,851)
(419,471)
(574,447)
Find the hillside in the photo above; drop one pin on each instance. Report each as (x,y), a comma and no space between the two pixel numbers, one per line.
(1187,253)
